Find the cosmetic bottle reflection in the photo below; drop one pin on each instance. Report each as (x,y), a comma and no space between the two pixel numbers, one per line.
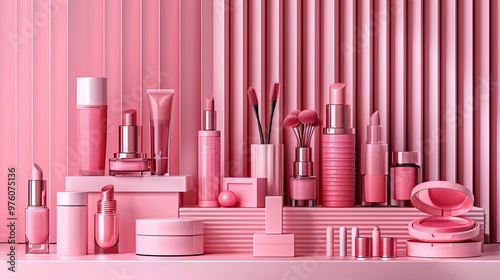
(106,223)
(37,214)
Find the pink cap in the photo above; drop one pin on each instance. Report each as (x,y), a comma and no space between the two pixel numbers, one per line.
(363,247)
(337,93)
(91,91)
(130,117)
(442,198)
(169,226)
(404,157)
(71,198)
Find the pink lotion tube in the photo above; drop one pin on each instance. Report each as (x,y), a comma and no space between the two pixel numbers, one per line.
(106,223)
(374,165)
(91,117)
(37,214)
(160,109)
(208,158)
(338,176)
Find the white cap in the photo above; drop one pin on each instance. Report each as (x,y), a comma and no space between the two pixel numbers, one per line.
(72,198)
(91,91)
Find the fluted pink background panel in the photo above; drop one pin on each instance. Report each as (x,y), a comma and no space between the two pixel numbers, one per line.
(429,67)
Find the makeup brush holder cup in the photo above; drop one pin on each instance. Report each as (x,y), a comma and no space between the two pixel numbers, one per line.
(267,162)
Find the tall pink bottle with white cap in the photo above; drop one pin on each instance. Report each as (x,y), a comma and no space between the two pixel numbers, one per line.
(208,158)
(91,117)
(374,165)
(338,149)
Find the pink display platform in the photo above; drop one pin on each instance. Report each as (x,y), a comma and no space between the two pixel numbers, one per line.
(129,266)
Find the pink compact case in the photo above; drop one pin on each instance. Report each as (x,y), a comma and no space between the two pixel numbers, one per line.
(445,201)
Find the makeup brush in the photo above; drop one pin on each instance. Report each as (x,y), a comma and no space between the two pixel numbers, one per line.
(308,118)
(252,97)
(292,121)
(274,98)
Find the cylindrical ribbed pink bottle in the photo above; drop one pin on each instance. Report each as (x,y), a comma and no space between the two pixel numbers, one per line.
(338,148)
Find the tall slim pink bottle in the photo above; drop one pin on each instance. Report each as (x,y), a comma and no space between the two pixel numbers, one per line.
(91,118)
(37,214)
(374,165)
(208,158)
(338,149)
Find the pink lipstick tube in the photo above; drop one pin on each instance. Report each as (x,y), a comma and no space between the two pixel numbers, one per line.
(208,158)
(91,117)
(303,185)
(106,223)
(374,165)
(129,160)
(160,110)
(338,176)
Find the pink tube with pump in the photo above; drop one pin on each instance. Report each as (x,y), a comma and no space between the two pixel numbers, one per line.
(160,109)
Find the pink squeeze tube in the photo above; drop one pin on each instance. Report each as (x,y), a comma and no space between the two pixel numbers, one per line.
(374,165)
(208,158)
(338,146)
(91,117)
(160,109)
(37,214)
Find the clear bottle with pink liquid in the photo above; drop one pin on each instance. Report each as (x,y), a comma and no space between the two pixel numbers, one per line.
(37,214)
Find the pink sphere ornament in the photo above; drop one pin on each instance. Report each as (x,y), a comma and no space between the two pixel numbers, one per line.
(227,198)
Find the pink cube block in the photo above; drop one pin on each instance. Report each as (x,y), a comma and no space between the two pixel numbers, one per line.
(250,192)
(274,215)
(273,245)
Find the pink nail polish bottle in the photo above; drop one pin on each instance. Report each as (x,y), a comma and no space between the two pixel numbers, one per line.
(403,177)
(338,150)
(37,214)
(303,184)
(209,158)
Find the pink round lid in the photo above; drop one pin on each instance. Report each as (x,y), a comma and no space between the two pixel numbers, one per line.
(71,198)
(442,198)
(169,226)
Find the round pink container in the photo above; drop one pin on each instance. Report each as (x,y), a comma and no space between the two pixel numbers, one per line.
(169,237)
(443,234)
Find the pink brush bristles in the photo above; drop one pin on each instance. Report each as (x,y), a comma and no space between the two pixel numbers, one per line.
(291,121)
(308,117)
(252,96)
(303,125)
(294,112)
(276,91)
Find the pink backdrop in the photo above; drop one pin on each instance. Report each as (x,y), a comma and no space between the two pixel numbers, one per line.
(430,68)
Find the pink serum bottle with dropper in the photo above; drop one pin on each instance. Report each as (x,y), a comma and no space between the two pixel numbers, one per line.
(208,158)
(338,147)
(374,165)
(37,214)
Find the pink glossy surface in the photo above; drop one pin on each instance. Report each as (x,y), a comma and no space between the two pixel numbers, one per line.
(209,175)
(227,198)
(169,227)
(443,250)
(91,132)
(106,230)
(444,224)
(404,178)
(441,198)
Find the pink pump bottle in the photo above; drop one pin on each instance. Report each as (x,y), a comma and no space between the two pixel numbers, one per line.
(338,147)
(37,214)
(208,158)
(374,165)
(91,116)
